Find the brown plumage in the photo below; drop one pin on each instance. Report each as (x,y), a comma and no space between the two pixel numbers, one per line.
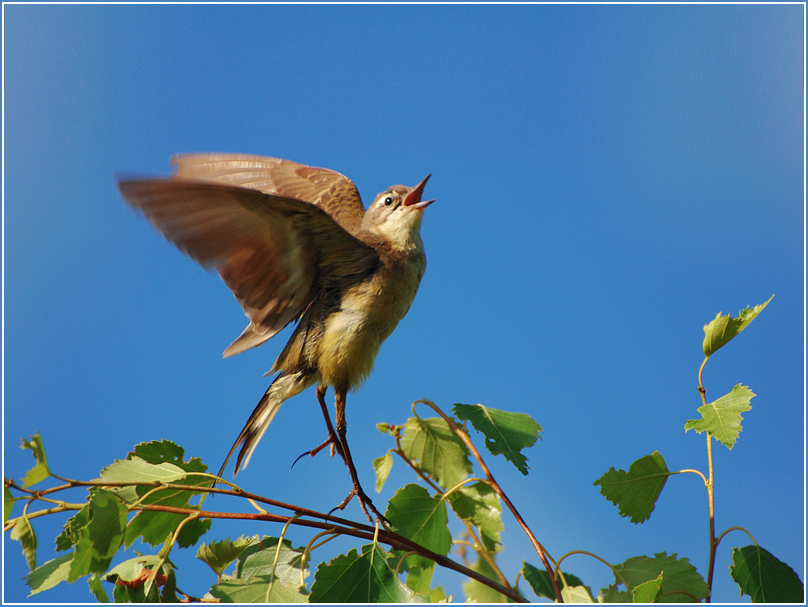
(294,243)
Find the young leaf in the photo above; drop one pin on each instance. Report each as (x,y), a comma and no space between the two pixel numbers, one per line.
(101,537)
(479,504)
(382,465)
(218,555)
(162,461)
(540,582)
(259,560)
(635,492)
(422,518)
(576,594)
(49,574)
(764,577)
(505,433)
(8,503)
(480,593)
(132,576)
(39,472)
(722,329)
(354,578)
(97,589)
(647,592)
(438,451)
(678,576)
(261,589)
(420,578)
(23,532)
(70,533)
(722,418)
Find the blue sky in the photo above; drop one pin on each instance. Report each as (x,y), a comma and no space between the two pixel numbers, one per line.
(608,179)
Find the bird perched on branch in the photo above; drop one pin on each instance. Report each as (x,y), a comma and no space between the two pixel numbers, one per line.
(295,243)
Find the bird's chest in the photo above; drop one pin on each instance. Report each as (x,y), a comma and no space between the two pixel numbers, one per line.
(368,313)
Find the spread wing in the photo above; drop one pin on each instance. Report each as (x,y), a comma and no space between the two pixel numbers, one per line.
(331,191)
(272,251)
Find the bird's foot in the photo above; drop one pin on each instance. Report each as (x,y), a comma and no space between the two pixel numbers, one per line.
(330,441)
(364,503)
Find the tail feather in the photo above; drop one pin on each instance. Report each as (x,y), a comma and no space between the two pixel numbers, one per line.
(283,387)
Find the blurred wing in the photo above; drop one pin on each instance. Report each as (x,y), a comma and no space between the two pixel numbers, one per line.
(273,252)
(331,191)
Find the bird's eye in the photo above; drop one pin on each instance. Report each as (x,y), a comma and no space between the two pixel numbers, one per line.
(388,201)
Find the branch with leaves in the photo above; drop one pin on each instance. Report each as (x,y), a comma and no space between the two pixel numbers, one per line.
(148,497)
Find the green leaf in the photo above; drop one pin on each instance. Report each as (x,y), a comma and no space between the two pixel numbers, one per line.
(354,578)
(258,559)
(635,492)
(218,555)
(647,592)
(8,503)
(480,593)
(97,589)
(722,329)
(70,532)
(540,582)
(23,532)
(136,570)
(480,505)
(505,433)
(162,461)
(420,578)
(382,465)
(722,418)
(764,577)
(100,539)
(261,589)
(576,594)
(679,577)
(137,470)
(422,518)
(49,574)
(438,451)
(39,472)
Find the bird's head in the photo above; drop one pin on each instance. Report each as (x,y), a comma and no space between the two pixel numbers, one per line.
(396,213)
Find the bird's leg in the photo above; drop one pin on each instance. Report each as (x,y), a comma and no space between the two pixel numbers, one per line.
(342,429)
(332,437)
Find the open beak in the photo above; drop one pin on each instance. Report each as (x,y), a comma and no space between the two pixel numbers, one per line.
(413,199)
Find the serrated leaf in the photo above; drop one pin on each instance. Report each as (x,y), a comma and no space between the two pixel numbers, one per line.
(101,537)
(420,578)
(480,593)
(722,418)
(679,577)
(137,470)
(422,518)
(70,532)
(261,589)
(635,492)
(764,578)
(97,589)
(49,575)
(162,461)
(258,559)
(39,472)
(382,465)
(437,450)
(354,578)
(480,505)
(383,427)
(23,532)
(218,555)
(139,572)
(722,329)
(8,503)
(576,594)
(647,592)
(505,433)
(539,581)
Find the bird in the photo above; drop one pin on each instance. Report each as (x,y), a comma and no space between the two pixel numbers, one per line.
(294,243)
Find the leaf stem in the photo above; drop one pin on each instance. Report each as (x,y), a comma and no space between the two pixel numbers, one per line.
(463,435)
(721,537)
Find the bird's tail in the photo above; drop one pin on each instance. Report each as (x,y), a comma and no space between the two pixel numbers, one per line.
(284,386)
